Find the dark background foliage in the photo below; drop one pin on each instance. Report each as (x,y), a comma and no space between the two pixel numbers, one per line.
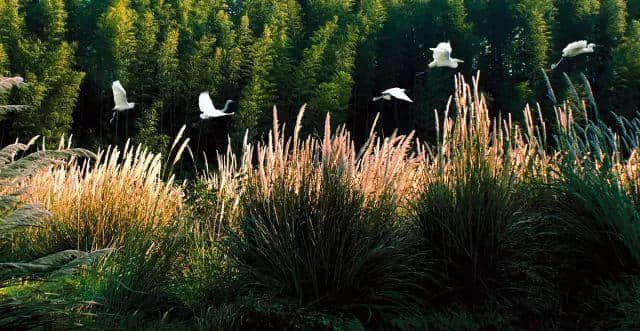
(332,54)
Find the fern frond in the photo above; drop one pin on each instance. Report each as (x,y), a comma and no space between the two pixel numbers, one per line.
(9,152)
(32,163)
(60,258)
(23,268)
(23,216)
(8,203)
(88,259)
(64,262)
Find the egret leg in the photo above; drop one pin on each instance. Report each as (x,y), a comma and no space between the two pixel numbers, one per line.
(555,65)
(113,117)
(126,123)
(116,133)
(199,136)
(396,118)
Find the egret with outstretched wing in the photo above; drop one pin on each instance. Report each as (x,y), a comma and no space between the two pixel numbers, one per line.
(442,56)
(209,110)
(120,99)
(396,92)
(574,49)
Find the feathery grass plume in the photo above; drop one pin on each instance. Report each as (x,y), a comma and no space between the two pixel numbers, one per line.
(381,165)
(95,205)
(6,84)
(216,196)
(470,135)
(353,261)
(590,97)
(168,169)
(394,164)
(14,214)
(575,99)
(550,93)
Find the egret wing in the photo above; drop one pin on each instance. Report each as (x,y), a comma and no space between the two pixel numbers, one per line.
(220,114)
(206,104)
(400,94)
(392,91)
(445,47)
(119,94)
(442,53)
(574,46)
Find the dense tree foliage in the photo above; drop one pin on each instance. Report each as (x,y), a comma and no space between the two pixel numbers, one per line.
(334,55)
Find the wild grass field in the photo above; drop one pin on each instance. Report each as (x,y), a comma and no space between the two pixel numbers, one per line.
(497,226)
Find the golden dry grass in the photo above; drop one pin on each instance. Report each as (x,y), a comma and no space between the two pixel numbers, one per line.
(93,205)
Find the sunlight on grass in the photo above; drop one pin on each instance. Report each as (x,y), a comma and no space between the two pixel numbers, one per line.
(95,204)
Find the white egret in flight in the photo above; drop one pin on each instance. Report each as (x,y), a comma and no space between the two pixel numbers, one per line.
(120,99)
(396,92)
(209,110)
(442,56)
(574,49)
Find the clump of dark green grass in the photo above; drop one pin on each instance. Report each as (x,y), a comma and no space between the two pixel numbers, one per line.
(319,246)
(134,284)
(592,232)
(596,225)
(482,238)
(207,276)
(622,301)
(250,312)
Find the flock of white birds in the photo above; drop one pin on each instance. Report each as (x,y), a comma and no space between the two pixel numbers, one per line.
(441,58)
